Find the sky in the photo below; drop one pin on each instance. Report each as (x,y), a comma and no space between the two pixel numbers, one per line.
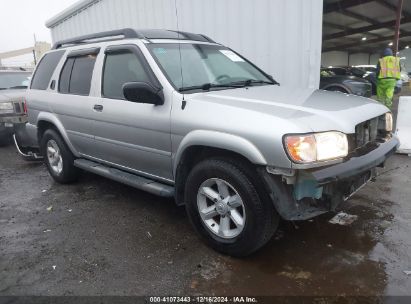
(21,19)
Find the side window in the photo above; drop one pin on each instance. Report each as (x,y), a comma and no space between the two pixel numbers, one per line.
(120,68)
(75,77)
(65,76)
(45,70)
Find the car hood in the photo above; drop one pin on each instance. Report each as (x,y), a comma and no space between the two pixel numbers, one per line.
(8,95)
(312,110)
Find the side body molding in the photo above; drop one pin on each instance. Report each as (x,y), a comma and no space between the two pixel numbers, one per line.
(219,140)
(51,118)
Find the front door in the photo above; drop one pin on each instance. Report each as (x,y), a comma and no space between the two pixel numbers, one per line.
(130,135)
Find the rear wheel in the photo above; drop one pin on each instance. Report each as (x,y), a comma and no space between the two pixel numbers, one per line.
(58,158)
(226,209)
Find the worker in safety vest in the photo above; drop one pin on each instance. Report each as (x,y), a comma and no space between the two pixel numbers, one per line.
(388,73)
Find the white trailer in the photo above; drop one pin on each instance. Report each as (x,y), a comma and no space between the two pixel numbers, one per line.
(283,37)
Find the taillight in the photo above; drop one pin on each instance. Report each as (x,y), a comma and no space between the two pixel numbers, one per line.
(25,106)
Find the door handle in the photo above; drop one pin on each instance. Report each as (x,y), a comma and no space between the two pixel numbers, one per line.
(98,108)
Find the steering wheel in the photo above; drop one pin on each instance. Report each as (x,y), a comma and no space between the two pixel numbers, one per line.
(222,77)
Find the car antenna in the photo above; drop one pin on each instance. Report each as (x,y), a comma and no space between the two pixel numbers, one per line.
(184,102)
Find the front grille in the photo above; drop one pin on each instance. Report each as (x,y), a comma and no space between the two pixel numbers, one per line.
(366,132)
(367,136)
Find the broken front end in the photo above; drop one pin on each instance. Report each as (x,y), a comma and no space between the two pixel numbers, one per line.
(300,194)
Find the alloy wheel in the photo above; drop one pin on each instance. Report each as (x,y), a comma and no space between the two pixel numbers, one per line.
(221,208)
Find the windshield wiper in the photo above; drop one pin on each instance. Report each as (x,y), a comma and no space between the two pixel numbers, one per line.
(237,84)
(209,86)
(15,88)
(250,82)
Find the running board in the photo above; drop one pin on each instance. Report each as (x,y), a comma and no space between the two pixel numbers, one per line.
(129,179)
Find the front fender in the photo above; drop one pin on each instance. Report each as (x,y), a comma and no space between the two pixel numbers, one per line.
(222,141)
(51,118)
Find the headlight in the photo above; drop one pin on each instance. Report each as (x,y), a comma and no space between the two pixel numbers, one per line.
(316,147)
(6,108)
(388,122)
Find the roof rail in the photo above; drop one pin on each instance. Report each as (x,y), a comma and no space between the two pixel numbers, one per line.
(191,36)
(127,33)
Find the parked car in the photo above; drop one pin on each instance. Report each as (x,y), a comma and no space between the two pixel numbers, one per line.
(13,85)
(368,68)
(178,115)
(342,79)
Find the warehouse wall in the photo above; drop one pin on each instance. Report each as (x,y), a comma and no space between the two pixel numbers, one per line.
(282,37)
(337,58)
(359,59)
(374,58)
(334,58)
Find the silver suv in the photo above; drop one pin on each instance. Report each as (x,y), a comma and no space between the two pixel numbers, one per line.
(178,115)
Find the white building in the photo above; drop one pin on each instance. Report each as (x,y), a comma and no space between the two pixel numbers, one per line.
(283,37)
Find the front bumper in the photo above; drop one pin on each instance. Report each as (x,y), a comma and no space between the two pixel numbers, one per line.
(336,182)
(357,165)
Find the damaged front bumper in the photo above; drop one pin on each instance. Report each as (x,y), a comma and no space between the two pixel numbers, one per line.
(320,190)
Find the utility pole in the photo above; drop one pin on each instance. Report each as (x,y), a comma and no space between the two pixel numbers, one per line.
(34,49)
(397,26)
(35,57)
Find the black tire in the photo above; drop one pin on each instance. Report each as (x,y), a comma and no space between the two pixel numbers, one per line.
(69,173)
(261,217)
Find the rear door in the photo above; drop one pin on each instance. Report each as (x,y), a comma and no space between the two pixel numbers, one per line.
(73,104)
(133,136)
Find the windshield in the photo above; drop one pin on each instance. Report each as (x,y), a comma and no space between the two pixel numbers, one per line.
(358,72)
(205,67)
(14,80)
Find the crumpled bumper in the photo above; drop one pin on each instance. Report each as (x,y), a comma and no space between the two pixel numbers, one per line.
(337,182)
(357,165)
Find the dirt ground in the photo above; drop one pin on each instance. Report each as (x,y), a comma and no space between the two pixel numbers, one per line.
(98,237)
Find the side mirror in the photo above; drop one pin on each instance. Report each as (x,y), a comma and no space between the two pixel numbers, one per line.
(142,92)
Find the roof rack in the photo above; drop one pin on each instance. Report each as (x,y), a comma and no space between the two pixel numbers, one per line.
(128,33)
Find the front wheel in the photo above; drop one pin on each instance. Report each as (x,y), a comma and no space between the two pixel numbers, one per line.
(226,209)
(58,158)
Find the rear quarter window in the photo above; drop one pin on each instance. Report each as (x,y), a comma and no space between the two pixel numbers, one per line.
(45,70)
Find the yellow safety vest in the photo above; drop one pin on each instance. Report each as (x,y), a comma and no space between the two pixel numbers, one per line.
(390,67)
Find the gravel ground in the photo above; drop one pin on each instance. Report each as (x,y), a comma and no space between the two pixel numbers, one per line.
(98,237)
